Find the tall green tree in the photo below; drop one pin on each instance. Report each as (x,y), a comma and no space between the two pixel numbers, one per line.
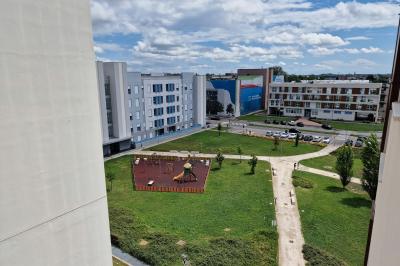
(110,178)
(219,127)
(370,156)
(253,163)
(276,144)
(296,141)
(344,164)
(239,151)
(219,158)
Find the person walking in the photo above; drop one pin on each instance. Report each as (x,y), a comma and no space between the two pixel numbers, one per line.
(294,166)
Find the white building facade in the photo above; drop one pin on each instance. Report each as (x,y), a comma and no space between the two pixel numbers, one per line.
(326,99)
(53,201)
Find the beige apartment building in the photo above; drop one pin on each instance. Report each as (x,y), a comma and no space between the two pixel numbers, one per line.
(347,100)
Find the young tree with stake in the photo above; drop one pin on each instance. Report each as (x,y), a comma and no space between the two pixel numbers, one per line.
(219,158)
(253,163)
(344,164)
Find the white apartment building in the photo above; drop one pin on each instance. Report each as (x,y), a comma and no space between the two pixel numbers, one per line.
(137,108)
(53,201)
(326,99)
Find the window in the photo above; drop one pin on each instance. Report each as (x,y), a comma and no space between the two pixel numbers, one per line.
(159,123)
(170,87)
(177,98)
(158,111)
(129,90)
(170,120)
(348,113)
(137,114)
(185,88)
(337,112)
(327,111)
(136,89)
(170,109)
(179,118)
(314,112)
(157,87)
(138,128)
(137,102)
(178,108)
(170,98)
(158,100)
(130,117)
(130,103)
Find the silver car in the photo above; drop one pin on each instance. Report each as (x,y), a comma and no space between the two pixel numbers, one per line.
(284,135)
(316,139)
(269,133)
(276,134)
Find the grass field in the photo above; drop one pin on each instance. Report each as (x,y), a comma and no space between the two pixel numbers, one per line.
(229,224)
(209,142)
(354,126)
(334,220)
(328,163)
(261,117)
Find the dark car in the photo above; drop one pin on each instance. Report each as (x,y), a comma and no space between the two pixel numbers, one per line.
(294,130)
(276,122)
(300,124)
(267,121)
(283,122)
(348,142)
(362,139)
(308,138)
(326,126)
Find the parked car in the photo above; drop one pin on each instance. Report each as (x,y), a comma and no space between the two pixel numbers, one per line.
(326,140)
(362,139)
(266,121)
(292,123)
(284,135)
(358,143)
(308,138)
(283,122)
(300,124)
(292,135)
(276,134)
(276,122)
(316,139)
(269,133)
(348,142)
(294,130)
(326,126)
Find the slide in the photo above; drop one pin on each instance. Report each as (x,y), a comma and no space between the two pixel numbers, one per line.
(178,177)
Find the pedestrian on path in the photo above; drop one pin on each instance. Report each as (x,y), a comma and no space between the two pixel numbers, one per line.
(294,166)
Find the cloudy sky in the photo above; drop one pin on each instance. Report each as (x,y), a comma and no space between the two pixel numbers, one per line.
(218,36)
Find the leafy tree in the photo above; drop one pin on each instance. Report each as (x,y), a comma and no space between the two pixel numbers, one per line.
(296,142)
(253,163)
(214,107)
(276,144)
(278,70)
(110,177)
(219,127)
(344,164)
(239,151)
(370,157)
(219,158)
(229,109)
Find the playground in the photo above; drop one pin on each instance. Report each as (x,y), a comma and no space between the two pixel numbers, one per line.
(170,174)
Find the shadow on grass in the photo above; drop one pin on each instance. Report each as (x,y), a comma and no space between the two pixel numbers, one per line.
(248,173)
(334,189)
(215,169)
(356,202)
(235,163)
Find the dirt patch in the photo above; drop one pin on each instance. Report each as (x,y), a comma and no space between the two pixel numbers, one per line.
(227,229)
(143,242)
(181,243)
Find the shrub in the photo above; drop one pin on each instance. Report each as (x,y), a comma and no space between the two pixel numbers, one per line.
(315,256)
(302,182)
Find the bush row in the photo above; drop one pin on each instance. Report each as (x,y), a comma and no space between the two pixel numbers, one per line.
(315,256)
(302,182)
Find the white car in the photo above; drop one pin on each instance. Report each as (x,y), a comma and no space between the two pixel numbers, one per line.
(292,136)
(316,139)
(269,133)
(292,123)
(326,140)
(284,135)
(276,134)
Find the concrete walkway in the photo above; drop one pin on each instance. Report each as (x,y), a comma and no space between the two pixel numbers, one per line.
(326,173)
(126,258)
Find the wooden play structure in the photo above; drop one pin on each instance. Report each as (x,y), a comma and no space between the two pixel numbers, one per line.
(186,175)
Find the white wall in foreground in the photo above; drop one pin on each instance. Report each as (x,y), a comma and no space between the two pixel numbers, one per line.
(53,205)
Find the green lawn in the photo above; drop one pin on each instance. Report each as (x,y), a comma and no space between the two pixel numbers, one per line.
(261,117)
(354,126)
(229,224)
(328,163)
(209,142)
(334,220)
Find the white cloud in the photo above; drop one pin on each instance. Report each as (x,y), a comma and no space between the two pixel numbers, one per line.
(358,38)
(371,50)
(321,51)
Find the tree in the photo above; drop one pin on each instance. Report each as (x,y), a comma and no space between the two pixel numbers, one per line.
(219,129)
(219,158)
(239,151)
(344,164)
(110,177)
(370,157)
(229,109)
(253,163)
(278,70)
(296,142)
(276,144)
(214,107)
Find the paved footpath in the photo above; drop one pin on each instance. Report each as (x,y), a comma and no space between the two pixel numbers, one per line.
(326,173)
